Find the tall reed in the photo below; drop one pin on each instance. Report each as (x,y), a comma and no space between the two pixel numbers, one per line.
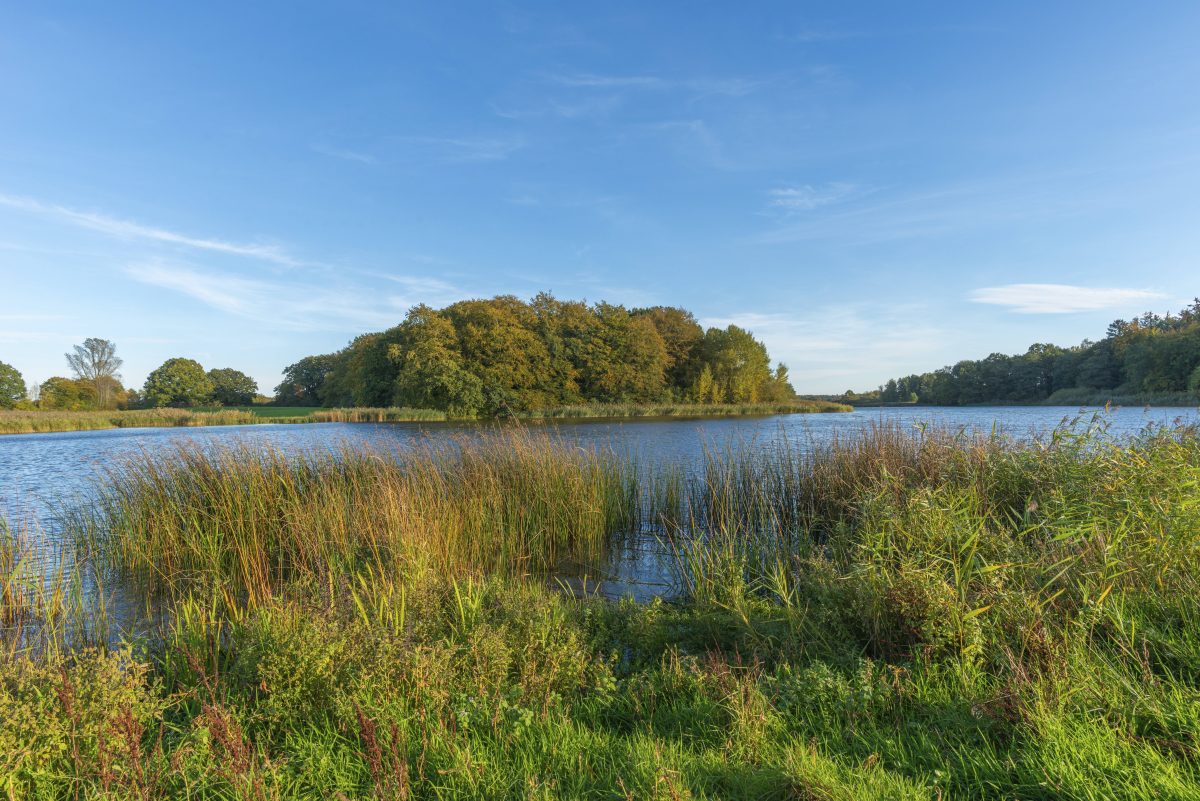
(255,518)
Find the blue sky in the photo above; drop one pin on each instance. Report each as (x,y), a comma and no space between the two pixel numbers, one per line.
(874,189)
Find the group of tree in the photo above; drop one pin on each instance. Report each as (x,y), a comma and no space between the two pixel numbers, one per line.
(96,385)
(184,382)
(1146,356)
(503,355)
(94,382)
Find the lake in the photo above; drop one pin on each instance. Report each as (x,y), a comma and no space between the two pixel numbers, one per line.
(40,473)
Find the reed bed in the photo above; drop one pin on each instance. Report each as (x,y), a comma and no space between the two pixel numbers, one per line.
(255,518)
(373,415)
(904,614)
(38,422)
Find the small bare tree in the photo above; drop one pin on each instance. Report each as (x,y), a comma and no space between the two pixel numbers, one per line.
(96,362)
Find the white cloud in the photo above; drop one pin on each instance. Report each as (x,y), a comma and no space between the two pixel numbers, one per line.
(832,348)
(287,304)
(295,304)
(126,229)
(794,199)
(1060,298)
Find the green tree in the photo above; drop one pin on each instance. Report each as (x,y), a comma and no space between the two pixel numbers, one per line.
(628,358)
(304,382)
(739,363)
(431,373)
(681,336)
(96,362)
(779,388)
(489,357)
(1194,382)
(498,338)
(12,386)
(232,387)
(705,389)
(568,329)
(178,382)
(66,394)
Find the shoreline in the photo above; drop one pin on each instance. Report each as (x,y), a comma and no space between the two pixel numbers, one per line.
(59,422)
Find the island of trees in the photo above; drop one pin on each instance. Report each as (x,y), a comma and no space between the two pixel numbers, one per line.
(476,358)
(504,355)
(1149,359)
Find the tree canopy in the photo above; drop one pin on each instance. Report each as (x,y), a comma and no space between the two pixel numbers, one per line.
(12,386)
(178,382)
(232,387)
(67,394)
(1147,355)
(502,355)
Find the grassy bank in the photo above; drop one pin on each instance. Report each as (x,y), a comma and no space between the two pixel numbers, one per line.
(604,411)
(35,422)
(898,615)
(1091,397)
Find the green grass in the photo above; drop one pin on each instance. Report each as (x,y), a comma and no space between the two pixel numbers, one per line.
(900,615)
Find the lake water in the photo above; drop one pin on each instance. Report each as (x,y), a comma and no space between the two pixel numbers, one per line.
(39,473)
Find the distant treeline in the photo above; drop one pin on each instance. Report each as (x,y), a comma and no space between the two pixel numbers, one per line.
(505,355)
(1146,358)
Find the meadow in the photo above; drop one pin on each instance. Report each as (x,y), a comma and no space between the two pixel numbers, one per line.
(919,614)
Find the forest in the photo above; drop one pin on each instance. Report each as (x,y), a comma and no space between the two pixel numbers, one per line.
(1148,358)
(504,355)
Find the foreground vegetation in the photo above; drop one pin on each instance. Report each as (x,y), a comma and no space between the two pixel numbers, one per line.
(900,615)
(1147,360)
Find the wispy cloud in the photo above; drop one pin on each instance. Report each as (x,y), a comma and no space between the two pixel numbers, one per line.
(451,149)
(125,229)
(832,348)
(829,33)
(794,199)
(1060,298)
(591,81)
(426,149)
(345,154)
(728,86)
(296,304)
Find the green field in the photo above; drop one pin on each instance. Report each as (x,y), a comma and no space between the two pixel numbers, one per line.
(904,615)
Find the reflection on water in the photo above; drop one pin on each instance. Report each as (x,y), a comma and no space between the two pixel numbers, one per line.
(42,474)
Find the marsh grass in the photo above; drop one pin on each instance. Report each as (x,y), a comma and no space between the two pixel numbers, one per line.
(37,422)
(255,518)
(906,614)
(383,415)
